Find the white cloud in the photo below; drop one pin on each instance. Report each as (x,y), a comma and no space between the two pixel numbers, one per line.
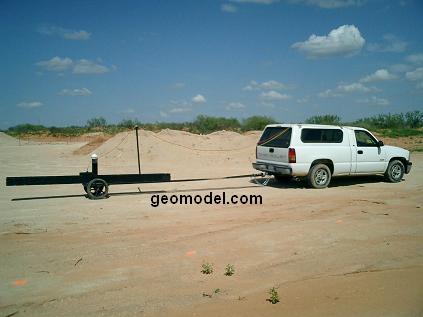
(234,106)
(163,114)
(179,106)
(390,44)
(229,8)
(198,99)
(329,93)
(29,104)
(415,58)
(354,87)
(255,1)
(419,85)
(399,68)
(56,64)
(268,85)
(180,110)
(344,89)
(415,75)
(302,100)
(273,85)
(84,66)
(273,96)
(332,4)
(77,35)
(178,85)
(379,75)
(253,85)
(80,35)
(325,4)
(374,101)
(345,40)
(128,111)
(267,104)
(75,92)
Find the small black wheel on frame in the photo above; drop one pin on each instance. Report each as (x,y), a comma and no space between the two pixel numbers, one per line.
(97,188)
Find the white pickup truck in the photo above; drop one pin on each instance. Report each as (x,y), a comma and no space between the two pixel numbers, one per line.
(319,152)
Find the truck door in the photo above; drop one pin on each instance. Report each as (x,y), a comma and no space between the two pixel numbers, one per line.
(370,156)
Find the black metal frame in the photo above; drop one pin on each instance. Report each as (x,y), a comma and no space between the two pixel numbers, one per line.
(85,177)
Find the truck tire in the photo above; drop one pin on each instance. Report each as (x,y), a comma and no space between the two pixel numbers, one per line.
(319,176)
(395,171)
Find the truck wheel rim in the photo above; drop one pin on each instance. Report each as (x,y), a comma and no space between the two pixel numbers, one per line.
(396,171)
(321,177)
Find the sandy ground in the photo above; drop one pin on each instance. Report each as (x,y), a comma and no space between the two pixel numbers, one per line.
(354,249)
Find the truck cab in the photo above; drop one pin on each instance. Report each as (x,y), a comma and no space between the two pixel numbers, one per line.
(319,152)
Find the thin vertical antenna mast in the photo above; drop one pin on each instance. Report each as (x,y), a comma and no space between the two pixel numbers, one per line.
(138,150)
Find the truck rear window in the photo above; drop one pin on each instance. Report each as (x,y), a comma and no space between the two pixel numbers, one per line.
(276,137)
(322,135)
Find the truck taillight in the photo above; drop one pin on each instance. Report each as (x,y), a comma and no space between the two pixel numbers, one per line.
(292,157)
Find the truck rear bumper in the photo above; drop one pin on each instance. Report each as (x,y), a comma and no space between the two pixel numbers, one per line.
(273,168)
(408,167)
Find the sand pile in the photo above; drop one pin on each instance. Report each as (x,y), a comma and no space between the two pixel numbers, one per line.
(7,139)
(180,153)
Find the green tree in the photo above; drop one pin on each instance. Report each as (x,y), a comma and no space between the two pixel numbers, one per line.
(206,124)
(324,119)
(98,122)
(256,123)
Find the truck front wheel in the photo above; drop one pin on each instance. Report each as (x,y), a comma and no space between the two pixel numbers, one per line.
(395,171)
(319,176)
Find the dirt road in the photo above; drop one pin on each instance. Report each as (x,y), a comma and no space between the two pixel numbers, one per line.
(354,249)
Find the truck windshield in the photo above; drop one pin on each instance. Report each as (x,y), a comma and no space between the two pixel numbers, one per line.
(276,137)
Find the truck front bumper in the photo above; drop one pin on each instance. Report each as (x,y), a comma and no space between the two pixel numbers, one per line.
(408,167)
(273,168)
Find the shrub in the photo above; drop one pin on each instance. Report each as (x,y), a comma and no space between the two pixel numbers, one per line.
(229,270)
(206,124)
(324,119)
(207,268)
(414,119)
(273,296)
(128,123)
(95,123)
(256,123)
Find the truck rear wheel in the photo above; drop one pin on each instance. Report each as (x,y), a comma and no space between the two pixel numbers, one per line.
(395,171)
(319,176)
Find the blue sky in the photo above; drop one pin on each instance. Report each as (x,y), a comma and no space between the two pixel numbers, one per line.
(64,62)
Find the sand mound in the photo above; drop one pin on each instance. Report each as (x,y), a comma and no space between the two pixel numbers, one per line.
(7,139)
(181,153)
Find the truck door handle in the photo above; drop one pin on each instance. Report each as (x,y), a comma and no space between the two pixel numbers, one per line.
(360,151)
(271,150)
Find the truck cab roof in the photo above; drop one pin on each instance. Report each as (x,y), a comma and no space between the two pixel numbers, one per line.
(315,126)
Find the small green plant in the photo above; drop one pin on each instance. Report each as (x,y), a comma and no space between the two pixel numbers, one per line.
(215,292)
(207,268)
(273,296)
(229,270)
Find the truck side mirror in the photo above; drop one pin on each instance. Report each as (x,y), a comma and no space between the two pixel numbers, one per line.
(380,143)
